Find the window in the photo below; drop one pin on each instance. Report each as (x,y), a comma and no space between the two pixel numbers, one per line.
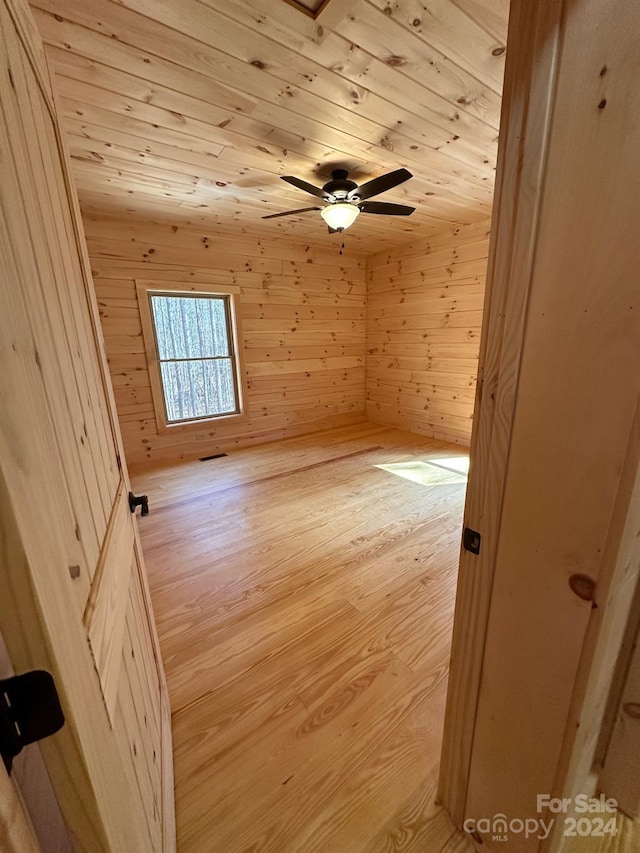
(192,354)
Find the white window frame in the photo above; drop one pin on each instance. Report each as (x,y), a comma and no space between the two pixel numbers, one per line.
(145,290)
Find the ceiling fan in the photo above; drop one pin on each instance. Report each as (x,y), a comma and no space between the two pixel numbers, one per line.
(346,200)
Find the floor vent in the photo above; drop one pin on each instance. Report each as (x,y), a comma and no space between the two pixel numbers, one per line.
(215,456)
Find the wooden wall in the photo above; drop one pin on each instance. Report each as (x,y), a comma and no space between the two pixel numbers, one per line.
(302,316)
(424,312)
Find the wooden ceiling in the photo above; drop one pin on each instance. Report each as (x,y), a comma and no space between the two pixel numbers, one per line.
(189,110)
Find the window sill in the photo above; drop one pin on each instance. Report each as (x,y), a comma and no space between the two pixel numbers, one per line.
(204,425)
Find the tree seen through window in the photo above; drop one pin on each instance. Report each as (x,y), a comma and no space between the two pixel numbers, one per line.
(195,354)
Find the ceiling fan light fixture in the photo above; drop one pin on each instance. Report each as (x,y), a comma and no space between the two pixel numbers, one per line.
(340,215)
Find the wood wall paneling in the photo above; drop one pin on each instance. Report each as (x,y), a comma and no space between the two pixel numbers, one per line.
(139,714)
(424,312)
(106,609)
(302,316)
(302,312)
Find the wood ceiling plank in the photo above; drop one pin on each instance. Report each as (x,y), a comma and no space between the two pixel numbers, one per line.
(102,137)
(367,72)
(119,177)
(199,107)
(445,203)
(275,99)
(97,145)
(388,41)
(95,120)
(388,146)
(309,231)
(491,15)
(221,176)
(118,159)
(64,33)
(368,29)
(332,12)
(430,243)
(102,133)
(289,66)
(87,95)
(225,177)
(412,117)
(413,193)
(381,227)
(443,25)
(163,112)
(104,200)
(87,114)
(98,204)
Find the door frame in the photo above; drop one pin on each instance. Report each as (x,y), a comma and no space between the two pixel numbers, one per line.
(534,51)
(530,78)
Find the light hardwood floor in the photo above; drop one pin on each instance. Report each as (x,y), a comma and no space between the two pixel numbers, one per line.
(304,600)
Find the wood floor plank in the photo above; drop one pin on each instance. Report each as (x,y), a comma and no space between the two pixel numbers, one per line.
(304,599)
(418,826)
(321,758)
(377,789)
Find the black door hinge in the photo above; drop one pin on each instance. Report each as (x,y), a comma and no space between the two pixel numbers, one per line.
(471,540)
(142,502)
(29,711)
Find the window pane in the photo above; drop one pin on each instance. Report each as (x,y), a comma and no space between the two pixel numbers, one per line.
(197,389)
(190,327)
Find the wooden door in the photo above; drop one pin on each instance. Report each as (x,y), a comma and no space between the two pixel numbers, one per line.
(74,596)
(30,792)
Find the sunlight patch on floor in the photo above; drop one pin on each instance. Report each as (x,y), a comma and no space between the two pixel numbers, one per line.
(459,464)
(449,470)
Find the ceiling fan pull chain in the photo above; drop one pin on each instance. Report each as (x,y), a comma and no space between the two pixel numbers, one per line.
(342,246)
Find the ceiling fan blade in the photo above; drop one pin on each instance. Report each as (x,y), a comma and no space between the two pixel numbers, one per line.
(381,184)
(388,209)
(303,185)
(291,212)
